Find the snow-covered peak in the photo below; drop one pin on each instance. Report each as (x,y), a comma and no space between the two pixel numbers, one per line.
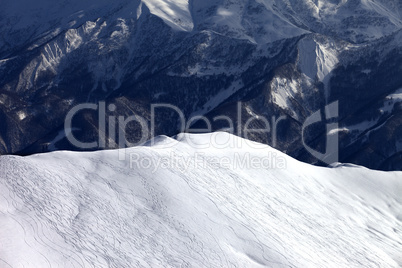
(176,13)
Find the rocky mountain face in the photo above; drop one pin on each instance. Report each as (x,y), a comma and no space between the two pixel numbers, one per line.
(273,59)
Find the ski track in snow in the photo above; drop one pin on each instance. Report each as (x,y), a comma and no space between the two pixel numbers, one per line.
(67,209)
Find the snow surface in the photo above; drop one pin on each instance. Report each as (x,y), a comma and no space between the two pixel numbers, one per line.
(191,203)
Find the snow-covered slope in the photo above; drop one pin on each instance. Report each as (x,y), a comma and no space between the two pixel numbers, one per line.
(189,202)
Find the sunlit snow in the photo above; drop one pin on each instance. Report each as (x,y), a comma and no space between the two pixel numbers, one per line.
(211,200)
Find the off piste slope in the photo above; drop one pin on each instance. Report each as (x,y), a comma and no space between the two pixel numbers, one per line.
(210,200)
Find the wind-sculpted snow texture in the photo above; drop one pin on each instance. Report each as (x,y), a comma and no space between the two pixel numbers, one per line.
(278,57)
(66,209)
